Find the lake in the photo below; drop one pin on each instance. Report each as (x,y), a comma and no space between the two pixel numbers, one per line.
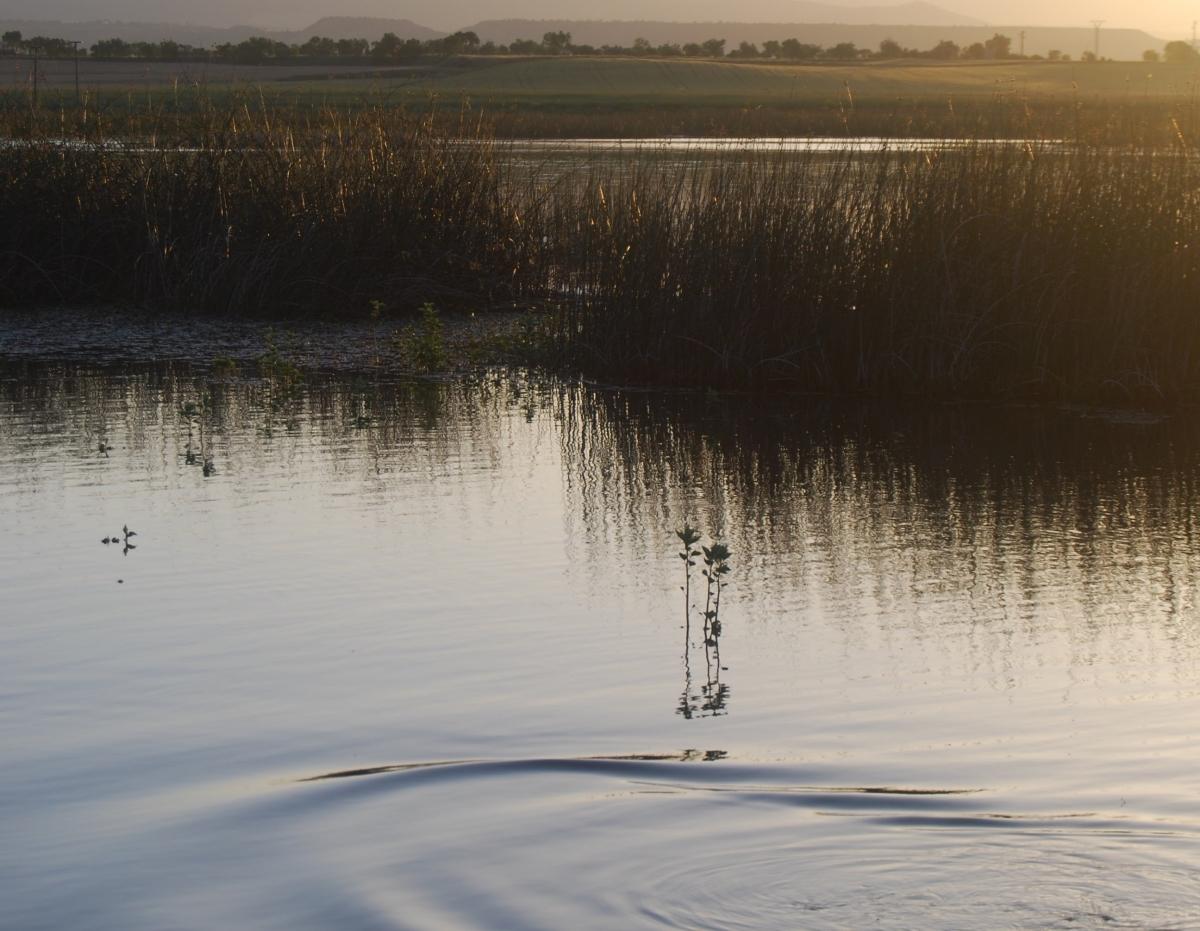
(387,653)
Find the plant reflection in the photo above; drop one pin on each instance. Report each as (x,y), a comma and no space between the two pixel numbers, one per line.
(713,698)
(898,526)
(196,452)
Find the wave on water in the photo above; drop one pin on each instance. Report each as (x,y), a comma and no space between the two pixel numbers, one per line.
(651,840)
(689,840)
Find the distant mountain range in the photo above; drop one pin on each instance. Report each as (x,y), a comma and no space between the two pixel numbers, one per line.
(1115,43)
(448,15)
(451,14)
(1166,16)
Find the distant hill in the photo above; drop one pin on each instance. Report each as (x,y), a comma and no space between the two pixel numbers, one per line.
(264,15)
(367,27)
(457,13)
(1123,44)
(203,36)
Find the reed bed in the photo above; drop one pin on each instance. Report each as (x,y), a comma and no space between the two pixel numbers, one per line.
(244,211)
(1046,270)
(980,271)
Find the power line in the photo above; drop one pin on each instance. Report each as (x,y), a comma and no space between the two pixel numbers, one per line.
(1096,24)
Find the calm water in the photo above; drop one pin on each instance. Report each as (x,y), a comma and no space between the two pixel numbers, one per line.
(409,655)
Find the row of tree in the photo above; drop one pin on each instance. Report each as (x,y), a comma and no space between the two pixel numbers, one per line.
(392,48)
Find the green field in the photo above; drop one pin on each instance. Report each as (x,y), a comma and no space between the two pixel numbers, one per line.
(564,97)
(616,79)
(610,97)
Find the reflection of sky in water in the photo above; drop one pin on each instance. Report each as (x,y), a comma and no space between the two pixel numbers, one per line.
(374,574)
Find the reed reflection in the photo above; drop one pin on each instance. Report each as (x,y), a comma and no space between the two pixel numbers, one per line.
(1012,531)
(242,424)
(1007,528)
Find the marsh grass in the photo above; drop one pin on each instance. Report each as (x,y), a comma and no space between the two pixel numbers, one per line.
(247,211)
(1062,269)
(1049,271)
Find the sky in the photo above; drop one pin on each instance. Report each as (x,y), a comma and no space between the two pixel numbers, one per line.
(1166,18)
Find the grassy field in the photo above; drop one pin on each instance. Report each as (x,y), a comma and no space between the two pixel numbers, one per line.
(613,80)
(564,97)
(1113,101)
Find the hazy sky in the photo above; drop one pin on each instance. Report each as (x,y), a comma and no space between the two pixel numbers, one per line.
(1170,18)
(1173,17)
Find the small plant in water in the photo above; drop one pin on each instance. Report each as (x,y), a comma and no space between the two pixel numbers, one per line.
(426,348)
(716,562)
(714,694)
(273,364)
(689,536)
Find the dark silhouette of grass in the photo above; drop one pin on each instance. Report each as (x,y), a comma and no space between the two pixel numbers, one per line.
(1044,271)
(1047,270)
(251,211)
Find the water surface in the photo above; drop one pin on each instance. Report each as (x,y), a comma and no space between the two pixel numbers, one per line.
(405,654)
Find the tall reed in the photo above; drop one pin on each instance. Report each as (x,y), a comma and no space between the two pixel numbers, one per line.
(244,210)
(1040,269)
(983,270)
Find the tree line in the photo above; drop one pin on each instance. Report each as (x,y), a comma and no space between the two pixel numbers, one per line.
(391,48)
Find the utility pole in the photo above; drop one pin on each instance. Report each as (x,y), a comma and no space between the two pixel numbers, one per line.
(78,97)
(1096,24)
(1022,36)
(1193,33)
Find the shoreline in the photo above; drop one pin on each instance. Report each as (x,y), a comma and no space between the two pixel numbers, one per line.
(112,335)
(473,342)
